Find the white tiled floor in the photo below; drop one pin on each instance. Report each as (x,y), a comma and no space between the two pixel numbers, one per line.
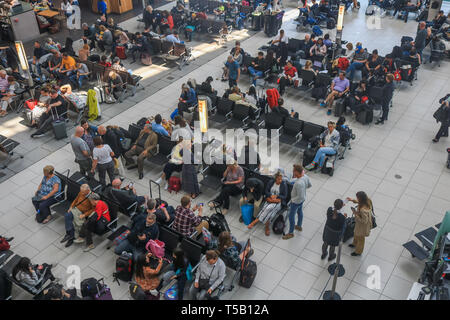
(290,269)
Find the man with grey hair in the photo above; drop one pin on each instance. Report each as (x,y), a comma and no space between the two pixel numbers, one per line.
(82,152)
(143,229)
(73,218)
(149,18)
(126,196)
(145,146)
(164,216)
(423,33)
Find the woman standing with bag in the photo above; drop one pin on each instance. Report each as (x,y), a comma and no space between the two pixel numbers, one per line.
(333,229)
(363,221)
(103,158)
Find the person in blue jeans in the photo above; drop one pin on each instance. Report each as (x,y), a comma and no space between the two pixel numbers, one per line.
(82,73)
(232,71)
(298,196)
(329,142)
(257,68)
(359,60)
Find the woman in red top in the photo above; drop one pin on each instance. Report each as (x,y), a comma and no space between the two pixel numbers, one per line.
(96,222)
(166,22)
(104,61)
(288,77)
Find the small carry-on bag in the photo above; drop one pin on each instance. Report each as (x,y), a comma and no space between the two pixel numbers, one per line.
(120,52)
(59,127)
(146,59)
(248,271)
(124,267)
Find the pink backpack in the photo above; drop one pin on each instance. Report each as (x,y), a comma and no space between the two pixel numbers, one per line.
(156,247)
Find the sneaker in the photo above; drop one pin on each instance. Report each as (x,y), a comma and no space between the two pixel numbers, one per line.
(329,112)
(158,181)
(323,256)
(89,248)
(166,187)
(435,140)
(354,254)
(288,236)
(34,135)
(78,240)
(298,228)
(69,243)
(332,257)
(310,166)
(66,237)
(322,104)
(351,245)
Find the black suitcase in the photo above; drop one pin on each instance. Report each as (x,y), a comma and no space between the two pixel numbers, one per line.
(339,108)
(257,22)
(308,156)
(349,229)
(365,116)
(89,287)
(248,273)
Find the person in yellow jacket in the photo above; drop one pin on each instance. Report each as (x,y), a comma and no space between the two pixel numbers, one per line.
(92,102)
(363,221)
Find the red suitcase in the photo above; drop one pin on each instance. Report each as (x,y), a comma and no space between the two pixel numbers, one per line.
(120,52)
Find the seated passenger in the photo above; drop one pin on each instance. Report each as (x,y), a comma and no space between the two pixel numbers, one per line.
(127,195)
(231,251)
(97,222)
(44,197)
(257,68)
(180,269)
(32,276)
(164,216)
(339,87)
(232,185)
(235,94)
(318,50)
(115,85)
(276,193)
(288,77)
(359,60)
(74,217)
(373,65)
(187,100)
(148,268)
(7,97)
(329,142)
(358,98)
(143,228)
(144,147)
(237,52)
(210,274)
(186,222)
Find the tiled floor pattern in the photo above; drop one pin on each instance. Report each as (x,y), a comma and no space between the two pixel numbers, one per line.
(291,269)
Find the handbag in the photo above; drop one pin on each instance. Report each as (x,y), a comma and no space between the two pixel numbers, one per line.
(125,143)
(156,247)
(119,239)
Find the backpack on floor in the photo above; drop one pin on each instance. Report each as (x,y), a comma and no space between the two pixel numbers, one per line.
(89,287)
(331,23)
(218,224)
(248,273)
(319,92)
(174,184)
(317,31)
(124,267)
(146,59)
(278,225)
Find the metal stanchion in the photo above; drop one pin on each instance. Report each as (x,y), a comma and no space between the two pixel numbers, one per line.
(337,270)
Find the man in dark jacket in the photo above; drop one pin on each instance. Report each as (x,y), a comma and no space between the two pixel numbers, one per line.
(443,116)
(144,228)
(111,137)
(149,18)
(388,91)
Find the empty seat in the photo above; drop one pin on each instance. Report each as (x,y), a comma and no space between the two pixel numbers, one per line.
(165,146)
(427,237)
(309,131)
(291,132)
(239,116)
(416,250)
(192,250)
(224,111)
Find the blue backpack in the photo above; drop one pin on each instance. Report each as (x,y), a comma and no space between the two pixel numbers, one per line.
(316,30)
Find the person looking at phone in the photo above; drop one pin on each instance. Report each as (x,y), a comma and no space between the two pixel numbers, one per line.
(329,143)
(126,195)
(147,276)
(32,275)
(164,215)
(186,222)
(233,182)
(363,221)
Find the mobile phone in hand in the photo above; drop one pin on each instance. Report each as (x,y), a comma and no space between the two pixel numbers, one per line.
(162,205)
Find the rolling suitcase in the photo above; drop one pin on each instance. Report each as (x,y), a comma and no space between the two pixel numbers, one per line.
(248,273)
(339,108)
(365,116)
(120,52)
(59,127)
